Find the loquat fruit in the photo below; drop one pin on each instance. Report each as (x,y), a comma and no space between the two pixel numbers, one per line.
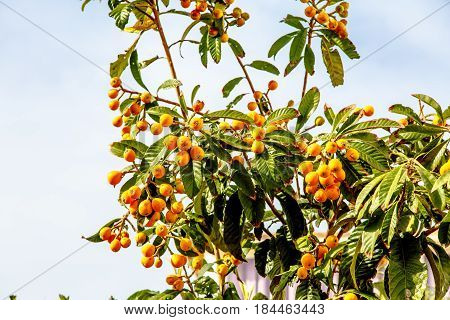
(196,124)
(182,158)
(145,208)
(217,13)
(171,278)
(165,190)
(258,134)
(334,165)
(158,204)
(312,178)
(171,217)
(224,38)
(146,97)
(308,261)
(117,121)
(332,241)
(147,262)
(224,126)
(158,171)
(350,296)
(179,186)
(105,233)
(135,108)
(178,285)
(322,17)
(238,159)
(148,250)
(273,85)
(332,192)
(114,104)
(198,106)
(368,111)
(195,15)
(321,251)
(197,153)
(115,82)
(257,95)
(184,143)
(240,22)
(352,154)
(320,196)
(170,142)
(320,121)
(404,122)
(258,147)
(328,181)
(445,167)
(129,155)
(178,260)
(323,171)
(331,147)
(314,149)
(161,230)
(237,125)
(197,262)
(166,120)
(115,245)
(310,11)
(339,175)
(302,273)
(252,106)
(114,177)
(259,120)
(305,167)
(156,128)
(158,263)
(142,125)
(311,189)
(222,270)
(185,244)
(140,238)
(125,242)
(113,93)
(342,144)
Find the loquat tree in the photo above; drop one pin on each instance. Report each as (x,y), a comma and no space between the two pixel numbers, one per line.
(358,212)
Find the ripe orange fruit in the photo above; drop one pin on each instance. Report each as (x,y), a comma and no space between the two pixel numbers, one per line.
(259,120)
(179,186)
(161,230)
(146,97)
(240,22)
(339,175)
(257,147)
(178,260)
(105,233)
(115,82)
(158,263)
(342,144)
(129,155)
(178,285)
(115,245)
(331,147)
(125,242)
(322,17)
(332,192)
(158,204)
(404,122)
(156,128)
(140,238)
(126,197)
(302,273)
(224,126)
(165,190)
(198,106)
(334,165)
(332,241)
(252,106)
(184,143)
(114,177)
(222,270)
(350,296)
(328,181)
(158,171)
(332,24)
(113,93)
(135,108)
(305,167)
(323,171)
(148,250)
(185,244)
(134,206)
(196,124)
(257,95)
(147,262)
(308,261)
(195,15)
(197,262)
(314,150)
(201,5)
(237,125)
(166,120)
(142,125)
(171,278)
(182,158)
(258,134)
(197,153)
(311,189)
(352,154)
(320,196)
(185,3)
(217,13)
(321,251)
(126,130)
(312,178)
(368,111)
(310,11)
(170,142)
(117,121)
(126,112)
(248,140)
(114,104)
(273,85)
(145,208)
(156,216)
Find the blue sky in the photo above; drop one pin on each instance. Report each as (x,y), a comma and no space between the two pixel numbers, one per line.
(56,126)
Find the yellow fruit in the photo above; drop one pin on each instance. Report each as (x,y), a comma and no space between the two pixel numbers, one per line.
(322,17)
(308,261)
(182,158)
(323,171)
(446,167)
(342,144)
(197,153)
(310,11)
(196,124)
(334,165)
(158,263)
(368,111)
(332,241)
(148,250)
(249,140)
(259,120)
(257,147)
(171,217)
(146,97)
(178,260)
(197,262)
(302,273)
(273,85)
(147,262)
(145,208)
(314,150)
(312,178)
(166,120)
(328,181)
(170,142)
(257,95)
(404,122)
(339,175)
(105,233)
(185,244)
(222,270)
(224,38)
(158,204)
(437,121)
(224,126)
(129,155)
(179,186)
(142,125)
(135,192)
(165,190)
(352,154)
(252,106)
(161,231)
(125,242)
(321,251)
(177,207)
(305,167)
(311,189)
(117,121)
(350,296)
(114,177)
(114,105)
(184,143)
(178,285)
(331,147)
(113,93)
(332,24)
(237,125)
(134,206)
(115,82)
(217,13)
(320,196)
(115,245)
(140,238)
(332,192)
(258,134)
(302,146)
(156,128)
(158,171)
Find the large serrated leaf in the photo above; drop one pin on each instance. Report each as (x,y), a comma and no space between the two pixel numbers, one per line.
(282,114)
(230,85)
(333,63)
(280,44)
(229,114)
(264,66)
(296,222)
(307,106)
(431,102)
(406,111)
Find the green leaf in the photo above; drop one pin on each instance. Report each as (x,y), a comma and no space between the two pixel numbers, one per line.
(259,296)
(333,63)
(371,125)
(389,224)
(418,132)
(264,66)
(226,90)
(406,111)
(143,295)
(229,114)
(186,32)
(437,197)
(135,71)
(307,106)
(290,67)
(215,49)
(194,93)
(85,2)
(235,143)
(372,154)
(157,111)
(191,175)
(309,60)
(392,183)
(96,237)
(253,208)
(169,84)
(297,46)
(154,153)
(444,231)
(329,114)
(307,290)
(231,292)
(236,48)
(431,102)
(232,233)
(118,148)
(344,44)
(282,114)
(407,274)
(243,180)
(433,158)
(121,14)
(144,64)
(261,256)
(217,149)
(296,222)
(280,44)
(442,261)
(365,192)
(203,49)
(283,136)
(117,67)
(443,180)
(294,21)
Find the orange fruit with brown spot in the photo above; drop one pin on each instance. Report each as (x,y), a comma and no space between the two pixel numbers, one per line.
(237,125)
(311,189)
(334,165)
(171,278)
(184,143)
(342,144)
(196,124)
(323,171)
(115,82)
(114,104)
(114,177)
(171,217)
(308,261)
(259,120)
(198,106)
(178,285)
(158,204)
(105,233)
(320,196)
(161,231)
(146,97)
(310,11)
(178,260)
(125,242)
(352,154)
(322,17)
(142,125)
(197,153)
(117,121)
(331,147)
(328,181)
(145,208)
(158,171)
(321,251)
(332,241)
(155,217)
(368,111)
(156,129)
(182,158)
(273,85)
(339,175)
(165,190)
(147,262)
(197,262)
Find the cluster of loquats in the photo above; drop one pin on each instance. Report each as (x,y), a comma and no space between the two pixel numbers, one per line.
(330,19)
(214,14)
